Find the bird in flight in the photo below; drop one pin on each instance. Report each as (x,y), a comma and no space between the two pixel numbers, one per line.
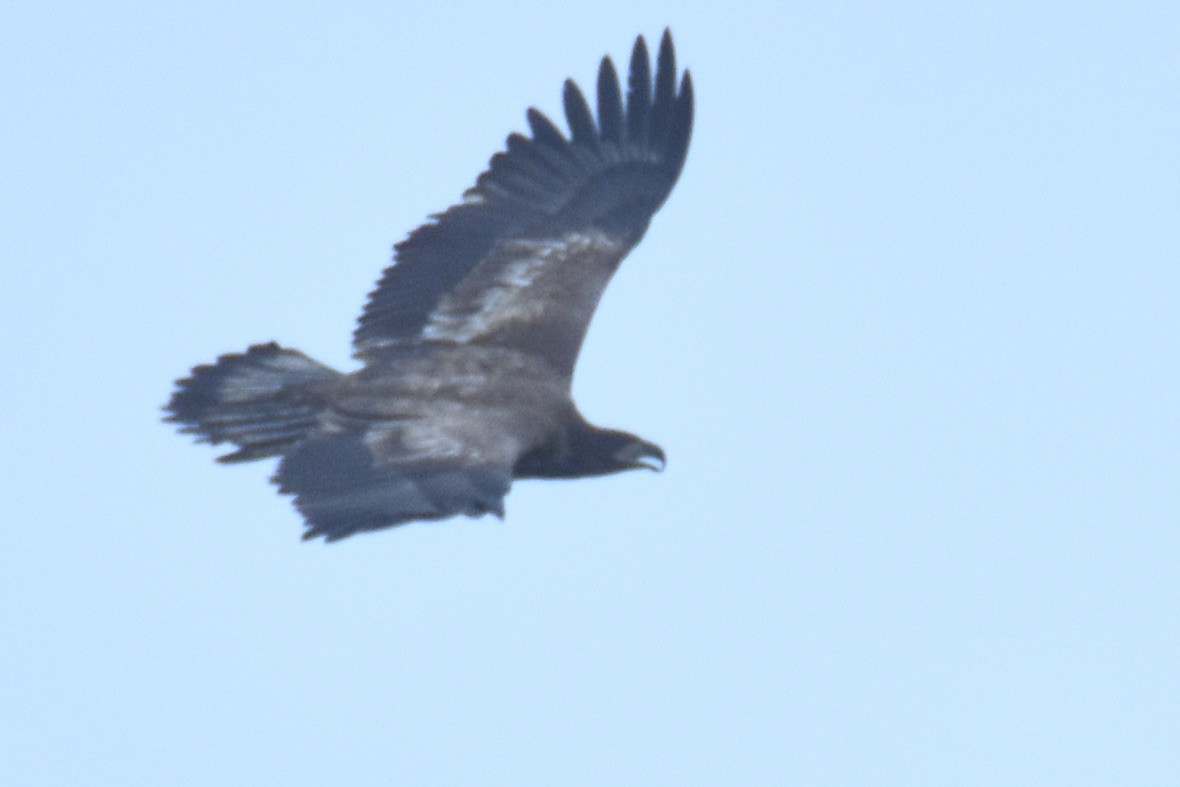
(469,340)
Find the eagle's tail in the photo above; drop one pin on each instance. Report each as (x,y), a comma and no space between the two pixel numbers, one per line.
(263,400)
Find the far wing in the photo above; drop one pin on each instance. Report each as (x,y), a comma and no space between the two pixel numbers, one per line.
(384,474)
(523,260)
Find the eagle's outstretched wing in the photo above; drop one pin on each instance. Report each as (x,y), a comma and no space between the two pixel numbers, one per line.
(523,260)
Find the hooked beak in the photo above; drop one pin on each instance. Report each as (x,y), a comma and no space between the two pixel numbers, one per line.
(648,456)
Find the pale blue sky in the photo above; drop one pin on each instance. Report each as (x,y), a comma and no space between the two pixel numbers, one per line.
(907,328)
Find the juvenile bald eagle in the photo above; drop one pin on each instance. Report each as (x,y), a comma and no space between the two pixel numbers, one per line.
(470,338)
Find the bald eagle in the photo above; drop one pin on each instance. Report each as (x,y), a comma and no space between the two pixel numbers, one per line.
(469,340)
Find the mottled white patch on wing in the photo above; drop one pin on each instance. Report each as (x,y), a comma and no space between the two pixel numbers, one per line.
(523,281)
(454,433)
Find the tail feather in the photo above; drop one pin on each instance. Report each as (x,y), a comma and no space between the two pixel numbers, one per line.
(264,401)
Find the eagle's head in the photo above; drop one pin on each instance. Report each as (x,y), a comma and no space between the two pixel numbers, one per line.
(584,450)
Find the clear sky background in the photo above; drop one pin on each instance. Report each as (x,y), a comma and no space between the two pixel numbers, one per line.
(907,328)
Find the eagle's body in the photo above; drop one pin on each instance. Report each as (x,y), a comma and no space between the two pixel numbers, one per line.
(470,339)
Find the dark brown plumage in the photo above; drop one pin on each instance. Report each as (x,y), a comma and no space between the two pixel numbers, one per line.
(469,340)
